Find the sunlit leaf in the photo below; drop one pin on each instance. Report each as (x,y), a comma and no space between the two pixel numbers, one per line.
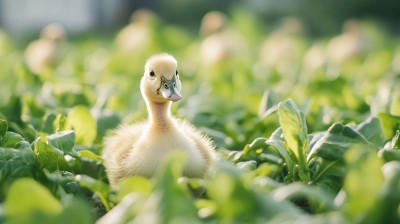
(170,202)
(294,128)
(89,155)
(390,124)
(27,198)
(84,125)
(363,163)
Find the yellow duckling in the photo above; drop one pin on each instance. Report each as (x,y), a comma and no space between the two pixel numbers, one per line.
(42,53)
(221,41)
(137,36)
(139,149)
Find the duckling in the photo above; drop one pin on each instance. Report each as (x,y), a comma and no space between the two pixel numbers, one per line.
(137,36)
(352,43)
(41,54)
(282,50)
(221,41)
(139,149)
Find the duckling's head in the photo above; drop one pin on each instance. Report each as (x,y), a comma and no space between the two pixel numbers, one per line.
(160,82)
(53,32)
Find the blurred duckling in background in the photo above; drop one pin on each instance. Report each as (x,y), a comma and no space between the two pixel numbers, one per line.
(42,54)
(282,49)
(137,36)
(346,46)
(221,42)
(140,149)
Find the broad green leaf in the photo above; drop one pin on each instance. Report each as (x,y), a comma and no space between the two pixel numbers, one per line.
(388,200)
(268,104)
(170,201)
(364,178)
(371,129)
(84,125)
(335,142)
(60,123)
(96,186)
(260,141)
(48,123)
(294,128)
(136,184)
(247,165)
(3,127)
(390,124)
(63,141)
(48,157)
(76,211)
(105,122)
(15,161)
(26,199)
(235,201)
(319,200)
(89,155)
(10,139)
(276,141)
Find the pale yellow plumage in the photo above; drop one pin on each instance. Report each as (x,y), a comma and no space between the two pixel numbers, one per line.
(141,148)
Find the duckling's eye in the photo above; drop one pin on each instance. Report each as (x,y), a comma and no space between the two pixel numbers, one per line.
(176,73)
(152,74)
(174,85)
(165,86)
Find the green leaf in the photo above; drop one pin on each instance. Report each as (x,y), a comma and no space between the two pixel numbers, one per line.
(371,129)
(10,139)
(170,201)
(26,199)
(80,119)
(48,123)
(268,104)
(294,128)
(390,124)
(3,127)
(89,155)
(96,186)
(48,157)
(237,202)
(15,161)
(386,207)
(318,199)
(335,142)
(76,211)
(136,184)
(63,141)
(362,163)
(276,141)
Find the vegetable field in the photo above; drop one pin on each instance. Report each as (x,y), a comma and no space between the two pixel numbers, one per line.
(300,137)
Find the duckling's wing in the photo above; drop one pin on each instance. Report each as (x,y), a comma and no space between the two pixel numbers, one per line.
(117,146)
(122,139)
(202,142)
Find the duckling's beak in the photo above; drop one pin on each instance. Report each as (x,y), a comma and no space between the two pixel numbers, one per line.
(168,89)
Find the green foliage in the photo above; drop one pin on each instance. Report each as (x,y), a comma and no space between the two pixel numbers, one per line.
(297,143)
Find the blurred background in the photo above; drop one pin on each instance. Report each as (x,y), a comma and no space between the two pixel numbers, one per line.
(80,16)
(339,60)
